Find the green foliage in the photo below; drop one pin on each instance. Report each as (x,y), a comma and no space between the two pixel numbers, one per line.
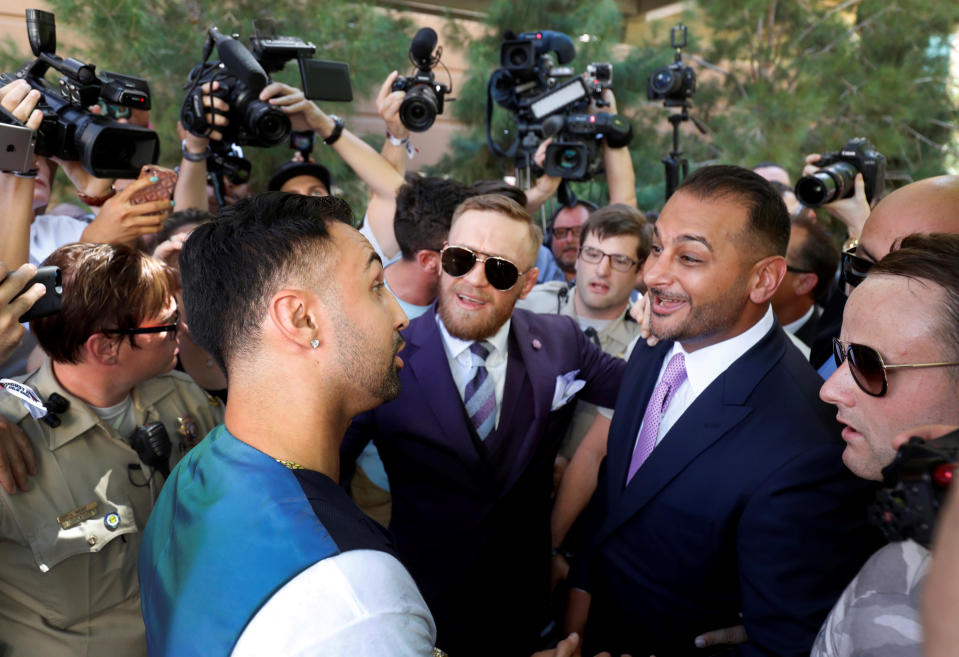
(777,80)
(162,41)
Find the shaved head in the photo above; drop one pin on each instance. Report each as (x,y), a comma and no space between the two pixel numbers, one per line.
(925,206)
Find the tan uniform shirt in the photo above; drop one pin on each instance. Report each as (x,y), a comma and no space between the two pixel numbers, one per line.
(68,546)
(614,339)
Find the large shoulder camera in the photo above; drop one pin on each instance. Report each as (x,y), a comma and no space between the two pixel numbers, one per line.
(242,74)
(424,95)
(674,84)
(916,485)
(835,179)
(548,99)
(105,148)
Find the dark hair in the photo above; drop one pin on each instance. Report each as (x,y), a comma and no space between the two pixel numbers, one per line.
(500,187)
(424,210)
(105,286)
(818,254)
(178,220)
(768,223)
(619,219)
(589,205)
(931,257)
(232,266)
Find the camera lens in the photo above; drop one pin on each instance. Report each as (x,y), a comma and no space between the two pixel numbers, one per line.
(114,150)
(664,81)
(566,160)
(419,109)
(268,125)
(826,185)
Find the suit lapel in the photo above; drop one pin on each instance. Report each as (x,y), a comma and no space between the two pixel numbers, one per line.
(720,407)
(430,367)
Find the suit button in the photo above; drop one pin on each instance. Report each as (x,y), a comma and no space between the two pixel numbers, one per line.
(92,540)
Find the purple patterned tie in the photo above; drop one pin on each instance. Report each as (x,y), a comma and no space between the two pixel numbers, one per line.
(480,393)
(673,377)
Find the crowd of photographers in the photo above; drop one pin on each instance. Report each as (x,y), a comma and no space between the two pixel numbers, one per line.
(661,435)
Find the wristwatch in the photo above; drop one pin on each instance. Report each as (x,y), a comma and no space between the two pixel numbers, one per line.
(337,130)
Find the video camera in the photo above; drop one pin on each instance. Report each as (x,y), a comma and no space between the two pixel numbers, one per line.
(242,74)
(837,173)
(424,95)
(105,148)
(916,485)
(530,85)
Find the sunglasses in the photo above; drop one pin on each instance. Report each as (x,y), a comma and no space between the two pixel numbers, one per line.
(458,261)
(867,367)
(853,268)
(140,330)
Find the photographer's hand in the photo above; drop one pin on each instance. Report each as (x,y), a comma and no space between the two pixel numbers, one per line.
(17,191)
(20,100)
(642,312)
(121,222)
(378,174)
(620,176)
(388,105)
(11,330)
(852,211)
(545,186)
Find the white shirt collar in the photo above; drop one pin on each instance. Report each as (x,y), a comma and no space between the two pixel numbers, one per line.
(792,327)
(455,347)
(704,365)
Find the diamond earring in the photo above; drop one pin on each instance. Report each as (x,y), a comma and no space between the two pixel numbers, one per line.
(314,343)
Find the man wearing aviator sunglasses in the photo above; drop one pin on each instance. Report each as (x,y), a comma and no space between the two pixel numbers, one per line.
(469,444)
(898,368)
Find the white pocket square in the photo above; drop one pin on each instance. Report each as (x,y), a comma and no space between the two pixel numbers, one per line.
(567,385)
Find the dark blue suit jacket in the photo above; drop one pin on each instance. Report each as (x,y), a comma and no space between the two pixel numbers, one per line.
(745,506)
(471,518)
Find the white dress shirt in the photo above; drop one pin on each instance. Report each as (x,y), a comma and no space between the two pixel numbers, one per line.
(703,366)
(463,362)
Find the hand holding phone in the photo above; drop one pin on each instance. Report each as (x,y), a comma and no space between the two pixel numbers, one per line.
(22,300)
(161,190)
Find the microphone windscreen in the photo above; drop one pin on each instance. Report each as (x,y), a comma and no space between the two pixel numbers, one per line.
(423,45)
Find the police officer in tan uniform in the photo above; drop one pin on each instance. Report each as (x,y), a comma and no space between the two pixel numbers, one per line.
(614,242)
(116,421)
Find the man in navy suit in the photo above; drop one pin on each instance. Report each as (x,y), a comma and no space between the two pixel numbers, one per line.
(469,444)
(723,491)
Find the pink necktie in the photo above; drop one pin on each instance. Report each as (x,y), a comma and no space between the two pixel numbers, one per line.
(673,377)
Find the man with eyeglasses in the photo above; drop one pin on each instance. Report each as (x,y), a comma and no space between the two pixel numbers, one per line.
(898,358)
(116,419)
(470,442)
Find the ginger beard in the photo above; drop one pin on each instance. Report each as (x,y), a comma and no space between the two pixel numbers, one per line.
(469,313)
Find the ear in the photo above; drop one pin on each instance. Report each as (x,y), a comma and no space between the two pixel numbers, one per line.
(102,349)
(429,261)
(805,283)
(294,315)
(766,276)
(529,280)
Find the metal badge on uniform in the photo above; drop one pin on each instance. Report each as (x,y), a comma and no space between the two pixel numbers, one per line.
(27,396)
(189,430)
(211,400)
(111,521)
(78,515)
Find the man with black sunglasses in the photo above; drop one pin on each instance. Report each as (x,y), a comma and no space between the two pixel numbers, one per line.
(898,359)
(116,418)
(470,442)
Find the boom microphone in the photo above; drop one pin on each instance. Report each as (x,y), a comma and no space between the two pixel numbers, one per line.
(422,47)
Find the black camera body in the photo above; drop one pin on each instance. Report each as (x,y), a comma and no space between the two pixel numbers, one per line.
(916,483)
(424,95)
(574,153)
(105,148)
(675,83)
(549,100)
(837,173)
(242,74)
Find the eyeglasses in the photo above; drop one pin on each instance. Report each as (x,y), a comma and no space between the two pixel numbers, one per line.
(459,261)
(867,367)
(140,330)
(853,268)
(566,233)
(616,261)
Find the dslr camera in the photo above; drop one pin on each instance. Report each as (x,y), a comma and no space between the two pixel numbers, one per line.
(916,483)
(835,179)
(674,84)
(242,75)
(532,87)
(424,95)
(105,148)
